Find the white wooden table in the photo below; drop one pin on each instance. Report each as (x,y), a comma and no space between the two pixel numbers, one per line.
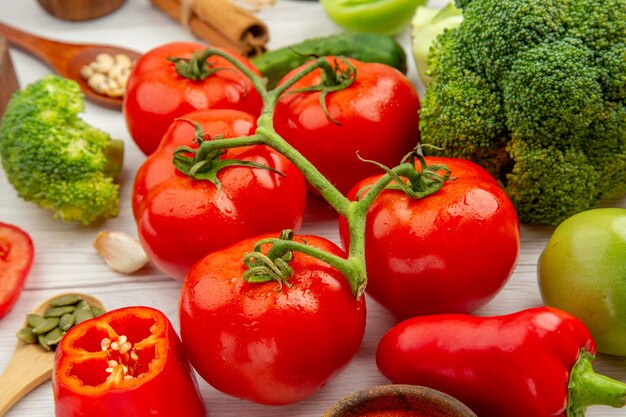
(65,260)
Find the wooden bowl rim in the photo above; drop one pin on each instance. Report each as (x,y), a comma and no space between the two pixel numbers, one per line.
(402,395)
(84,10)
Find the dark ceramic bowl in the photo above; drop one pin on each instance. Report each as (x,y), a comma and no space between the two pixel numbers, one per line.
(399,401)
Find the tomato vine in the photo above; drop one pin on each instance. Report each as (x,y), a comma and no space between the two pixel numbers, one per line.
(335,76)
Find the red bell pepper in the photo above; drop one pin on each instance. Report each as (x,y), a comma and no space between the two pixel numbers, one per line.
(16,258)
(127,362)
(534,363)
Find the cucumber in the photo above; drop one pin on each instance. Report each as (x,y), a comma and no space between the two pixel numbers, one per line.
(365,47)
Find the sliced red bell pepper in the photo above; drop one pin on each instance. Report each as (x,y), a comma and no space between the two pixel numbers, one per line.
(127,362)
(533,363)
(16,259)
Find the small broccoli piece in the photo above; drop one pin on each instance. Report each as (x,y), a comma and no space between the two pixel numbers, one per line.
(55,159)
(535,91)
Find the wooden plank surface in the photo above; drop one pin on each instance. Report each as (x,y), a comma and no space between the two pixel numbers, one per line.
(66,261)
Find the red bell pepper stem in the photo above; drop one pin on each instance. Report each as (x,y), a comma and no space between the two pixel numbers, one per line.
(128,361)
(16,259)
(588,388)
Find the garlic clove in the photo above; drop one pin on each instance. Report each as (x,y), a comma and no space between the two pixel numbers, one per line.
(120,251)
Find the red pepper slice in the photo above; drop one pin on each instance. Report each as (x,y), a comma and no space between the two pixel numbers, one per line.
(16,258)
(127,362)
(533,363)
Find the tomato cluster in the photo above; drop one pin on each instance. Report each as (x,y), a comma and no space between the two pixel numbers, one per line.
(268,316)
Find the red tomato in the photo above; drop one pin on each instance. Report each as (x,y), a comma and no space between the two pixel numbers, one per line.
(180,219)
(156,94)
(16,259)
(263,343)
(377,116)
(450,252)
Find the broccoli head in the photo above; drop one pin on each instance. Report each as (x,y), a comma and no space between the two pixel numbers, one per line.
(55,159)
(535,91)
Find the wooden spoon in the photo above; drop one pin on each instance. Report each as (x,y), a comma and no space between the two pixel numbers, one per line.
(8,79)
(30,365)
(67,59)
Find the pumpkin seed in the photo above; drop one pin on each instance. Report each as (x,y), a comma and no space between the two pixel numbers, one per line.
(97,312)
(80,315)
(66,321)
(65,300)
(46,325)
(53,337)
(58,311)
(41,339)
(63,312)
(26,335)
(34,320)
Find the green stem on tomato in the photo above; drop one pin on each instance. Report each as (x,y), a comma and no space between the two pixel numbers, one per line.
(353,268)
(588,388)
(326,189)
(347,267)
(287,84)
(205,161)
(236,142)
(258,82)
(356,216)
(267,134)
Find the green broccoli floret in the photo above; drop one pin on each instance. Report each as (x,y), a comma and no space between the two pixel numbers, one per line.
(535,91)
(55,159)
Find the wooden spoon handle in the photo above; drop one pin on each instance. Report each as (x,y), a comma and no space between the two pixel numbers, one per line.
(8,78)
(29,367)
(51,52)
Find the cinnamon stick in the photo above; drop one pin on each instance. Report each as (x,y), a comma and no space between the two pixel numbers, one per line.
(220,23)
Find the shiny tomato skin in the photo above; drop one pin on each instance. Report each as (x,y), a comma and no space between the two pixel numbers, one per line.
(156,94)
(263,343)
(450,252)
(377,117)
(178,221)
